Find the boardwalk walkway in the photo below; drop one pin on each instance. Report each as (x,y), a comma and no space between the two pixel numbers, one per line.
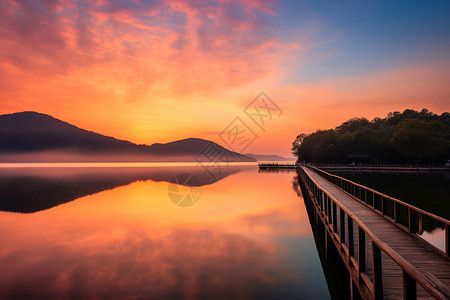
(432,265)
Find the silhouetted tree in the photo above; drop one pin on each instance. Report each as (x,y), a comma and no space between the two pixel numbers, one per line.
(398,138)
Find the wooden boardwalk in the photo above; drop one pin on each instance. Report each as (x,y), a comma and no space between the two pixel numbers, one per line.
(368,248)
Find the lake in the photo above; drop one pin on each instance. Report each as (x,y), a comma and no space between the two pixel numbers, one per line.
(155,232)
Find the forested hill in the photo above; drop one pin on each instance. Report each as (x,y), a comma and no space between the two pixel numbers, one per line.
(408,137)
(35,137)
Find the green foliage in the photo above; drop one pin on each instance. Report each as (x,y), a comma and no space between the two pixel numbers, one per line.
(411,136)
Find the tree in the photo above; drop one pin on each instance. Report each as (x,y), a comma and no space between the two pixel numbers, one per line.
(419,139)
(352,125)
(296,144)
(422,136)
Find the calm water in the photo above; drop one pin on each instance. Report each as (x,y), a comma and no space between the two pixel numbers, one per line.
(126,233)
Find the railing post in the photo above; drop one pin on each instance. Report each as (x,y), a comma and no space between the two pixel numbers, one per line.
(361,250)
(334,218)
(420,217)
(320,205)
(397,212)
(377,272)
(329,207)
(411,220)
(351,249)
(409,287)
(375,202)
(342,221)
(447,240)
(323,204)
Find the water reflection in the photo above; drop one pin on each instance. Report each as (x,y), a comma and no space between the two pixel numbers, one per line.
(248,237)
(31,189)
(435,237)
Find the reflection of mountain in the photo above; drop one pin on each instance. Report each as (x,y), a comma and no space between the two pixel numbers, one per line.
(30,190)
(35,137)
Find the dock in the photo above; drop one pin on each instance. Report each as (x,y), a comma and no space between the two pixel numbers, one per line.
(378,238)
(277,166)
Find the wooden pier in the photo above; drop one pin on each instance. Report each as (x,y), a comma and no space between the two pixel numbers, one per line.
(378,239)
(275,166)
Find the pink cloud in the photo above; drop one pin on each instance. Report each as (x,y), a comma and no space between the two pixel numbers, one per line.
(180,46)
(131,68)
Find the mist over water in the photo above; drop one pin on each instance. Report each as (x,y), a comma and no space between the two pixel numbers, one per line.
(95,157)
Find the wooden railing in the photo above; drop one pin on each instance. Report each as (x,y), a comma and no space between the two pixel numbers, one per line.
(342,232)
(404,215)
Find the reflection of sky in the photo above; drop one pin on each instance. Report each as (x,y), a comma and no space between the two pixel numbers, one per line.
(247,237)
(435,237)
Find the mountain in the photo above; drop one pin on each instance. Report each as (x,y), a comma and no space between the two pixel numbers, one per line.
(31,136)
(263,157)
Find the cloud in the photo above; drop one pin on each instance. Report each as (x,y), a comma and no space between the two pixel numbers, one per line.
(141,70)
(174,48)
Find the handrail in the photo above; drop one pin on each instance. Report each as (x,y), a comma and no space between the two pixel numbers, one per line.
(407,268)
(417,210)
(421,211)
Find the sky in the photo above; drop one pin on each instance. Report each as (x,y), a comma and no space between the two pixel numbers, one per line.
(153,71)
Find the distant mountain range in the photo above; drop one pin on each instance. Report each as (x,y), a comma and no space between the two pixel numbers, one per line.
(32,136)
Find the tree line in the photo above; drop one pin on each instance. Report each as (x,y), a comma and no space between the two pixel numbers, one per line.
(410,137)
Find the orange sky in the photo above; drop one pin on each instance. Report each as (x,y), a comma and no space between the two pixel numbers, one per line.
(161,71)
